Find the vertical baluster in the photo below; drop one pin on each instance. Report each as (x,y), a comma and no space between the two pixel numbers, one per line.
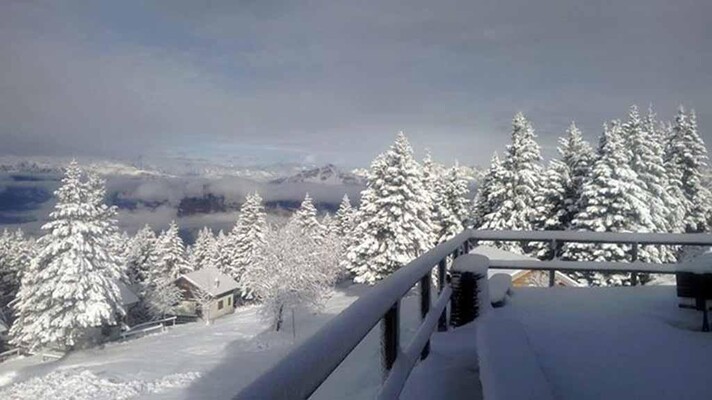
(391,337)
(442,265)
(424,308)
(554,247)
(634,258)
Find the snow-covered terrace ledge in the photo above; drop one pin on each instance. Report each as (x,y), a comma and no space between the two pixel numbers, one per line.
(299,374)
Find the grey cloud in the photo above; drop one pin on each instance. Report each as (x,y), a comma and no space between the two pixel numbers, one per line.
(339,79)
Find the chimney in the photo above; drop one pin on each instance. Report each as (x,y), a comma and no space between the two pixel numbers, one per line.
(217,282)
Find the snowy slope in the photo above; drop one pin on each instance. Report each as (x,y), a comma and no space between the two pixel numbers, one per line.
(206,362)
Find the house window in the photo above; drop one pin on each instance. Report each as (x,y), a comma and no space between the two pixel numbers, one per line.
(220,305)
(229,301)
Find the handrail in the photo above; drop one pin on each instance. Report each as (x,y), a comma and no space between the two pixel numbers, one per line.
(404,364)
(681,239)
(327,348)
(584,266)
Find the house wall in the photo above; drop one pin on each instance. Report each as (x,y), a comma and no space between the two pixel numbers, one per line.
(211,311)
(537,279)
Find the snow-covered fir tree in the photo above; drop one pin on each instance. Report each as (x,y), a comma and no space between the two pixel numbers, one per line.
(491,192)
(395,224)
(141,255)
(550,208)
(344,217)
(223,257)
(454,193)
(444,223)
(170,252)
(248,240)
(685,159)
(647,162)
(305,217)
(577,157)
(16,252)
(611,201)
(328,225)
(521,181)
(71,285)
(203,250)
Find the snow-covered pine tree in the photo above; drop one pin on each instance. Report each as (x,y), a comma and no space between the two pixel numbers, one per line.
(202,252)
(223,257)
(577,157)
(141,256)
(171,258)
(455,190)
(444,224)
(395,224)
(248,240)
(611,201)
(305,217)
(70,287)
(521,182)
(15,255)
(490,193)
(344,218)
(647,162)
(328,225)
(550,205)
(685,159)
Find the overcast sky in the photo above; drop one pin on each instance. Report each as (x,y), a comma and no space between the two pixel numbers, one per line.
(334,81)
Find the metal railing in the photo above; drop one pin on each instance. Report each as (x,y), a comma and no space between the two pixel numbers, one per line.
(302,371)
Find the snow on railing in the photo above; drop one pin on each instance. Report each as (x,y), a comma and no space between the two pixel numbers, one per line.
(322,353)
(10,353)
(148,327)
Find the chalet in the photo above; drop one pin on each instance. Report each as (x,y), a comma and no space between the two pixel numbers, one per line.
(208,293)
(523,277)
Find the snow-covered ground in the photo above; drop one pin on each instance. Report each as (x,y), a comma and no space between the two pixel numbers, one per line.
(609,343)
(197,361)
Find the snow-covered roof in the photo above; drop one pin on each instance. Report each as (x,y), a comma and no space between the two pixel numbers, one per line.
(211,280)
(494,253)
(128,297)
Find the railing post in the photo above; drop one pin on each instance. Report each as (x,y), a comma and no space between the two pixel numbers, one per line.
(470,288)
(391,338)
(554,247)
(442,265)
(634,258)
(424,308)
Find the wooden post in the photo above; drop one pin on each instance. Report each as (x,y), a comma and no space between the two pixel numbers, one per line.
(466,247)
(390,339)
(634,258)
(425,308)
(442,265)
(554,247)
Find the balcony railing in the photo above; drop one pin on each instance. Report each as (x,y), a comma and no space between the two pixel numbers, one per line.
(302,371)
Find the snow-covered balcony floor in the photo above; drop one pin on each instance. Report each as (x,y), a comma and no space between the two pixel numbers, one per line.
(593,343)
